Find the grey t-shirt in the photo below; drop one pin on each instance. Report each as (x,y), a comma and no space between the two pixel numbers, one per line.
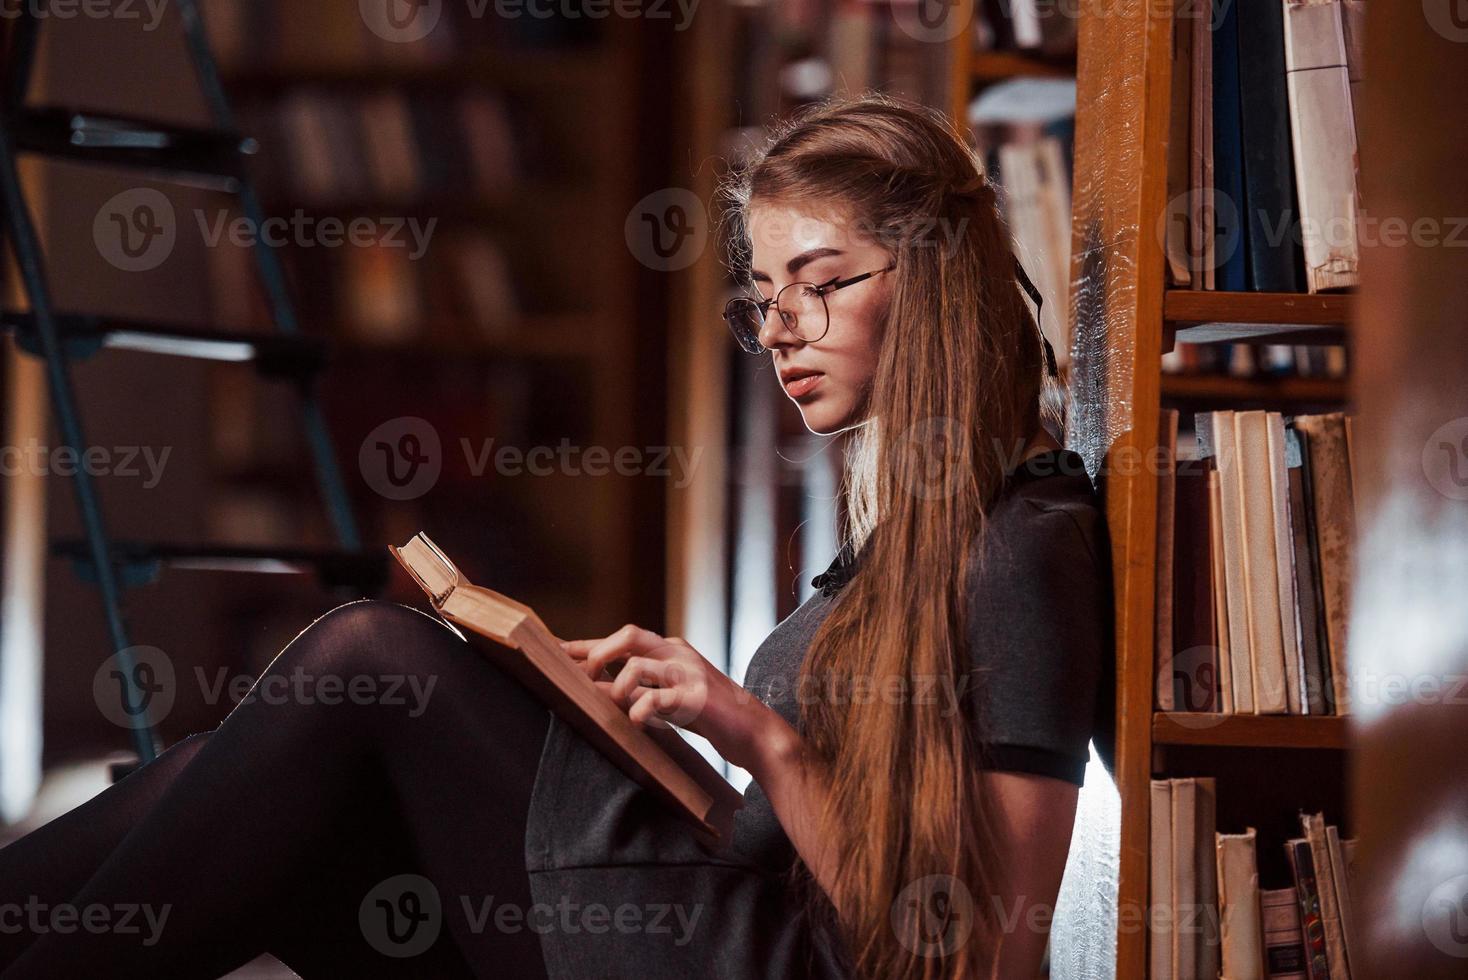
(1040,637)
(1038,633)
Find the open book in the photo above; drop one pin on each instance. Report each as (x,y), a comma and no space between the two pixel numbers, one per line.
(658,759)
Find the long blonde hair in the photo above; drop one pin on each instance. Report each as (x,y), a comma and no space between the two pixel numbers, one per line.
(957,391)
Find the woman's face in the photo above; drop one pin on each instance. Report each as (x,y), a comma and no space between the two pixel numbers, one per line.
(792,245)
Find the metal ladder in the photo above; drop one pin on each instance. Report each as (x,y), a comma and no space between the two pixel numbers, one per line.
(212,157)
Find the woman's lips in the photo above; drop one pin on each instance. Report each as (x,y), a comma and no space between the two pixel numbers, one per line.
(802,386)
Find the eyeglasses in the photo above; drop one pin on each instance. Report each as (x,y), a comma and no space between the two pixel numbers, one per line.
(805,315)
(802,307)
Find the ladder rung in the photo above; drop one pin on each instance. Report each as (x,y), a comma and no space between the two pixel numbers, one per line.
(83,334)
(140,562)
(123,141)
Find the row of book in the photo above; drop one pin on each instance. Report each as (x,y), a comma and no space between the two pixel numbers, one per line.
(1241,360)
(256,35)
(1262,166)
(1035,177)
(388,145)
(1255,523)
(461,291)
(1210,915)
(1024,130)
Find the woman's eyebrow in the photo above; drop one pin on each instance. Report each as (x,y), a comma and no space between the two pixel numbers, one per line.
(803,259)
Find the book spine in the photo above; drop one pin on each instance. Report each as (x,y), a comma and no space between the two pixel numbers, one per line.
(1269,170)
(1161,907)
(1238,899)
(1228,150)
(1284,942)
(1323,135)
(1307,895)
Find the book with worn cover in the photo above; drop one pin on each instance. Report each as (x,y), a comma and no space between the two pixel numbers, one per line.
(659,760)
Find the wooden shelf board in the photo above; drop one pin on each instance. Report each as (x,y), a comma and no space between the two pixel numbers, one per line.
(1222,388)
(1250,731)
(528,69)
(997,66)
(1203,316)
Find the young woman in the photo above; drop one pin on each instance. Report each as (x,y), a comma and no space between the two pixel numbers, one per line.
(916,730)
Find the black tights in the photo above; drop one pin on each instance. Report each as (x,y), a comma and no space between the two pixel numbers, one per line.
(268,833)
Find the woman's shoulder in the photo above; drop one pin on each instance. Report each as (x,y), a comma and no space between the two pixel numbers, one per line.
(1048,509)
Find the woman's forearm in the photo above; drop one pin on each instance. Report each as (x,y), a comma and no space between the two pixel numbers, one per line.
(782,764)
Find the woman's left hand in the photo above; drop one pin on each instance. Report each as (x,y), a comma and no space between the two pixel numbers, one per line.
(662,681)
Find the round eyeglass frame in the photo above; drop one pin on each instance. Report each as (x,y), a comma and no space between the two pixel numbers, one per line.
(750,342)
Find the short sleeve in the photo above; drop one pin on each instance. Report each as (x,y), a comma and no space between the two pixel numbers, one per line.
(1039,637)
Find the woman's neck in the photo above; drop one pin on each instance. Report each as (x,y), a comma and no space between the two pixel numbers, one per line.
(1040,442)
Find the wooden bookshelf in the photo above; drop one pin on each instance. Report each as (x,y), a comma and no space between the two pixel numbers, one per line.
(1278,391)
(998,66)
(1125,318)
(573,353)
(1199,316)
(1249,731)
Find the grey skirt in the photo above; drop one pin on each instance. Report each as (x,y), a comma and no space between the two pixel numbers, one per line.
(625,889)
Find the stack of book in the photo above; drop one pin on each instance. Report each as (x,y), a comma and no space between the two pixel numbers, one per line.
(1258,361)
(1262,168)
(1254,537)
(1211,918)
(388,144)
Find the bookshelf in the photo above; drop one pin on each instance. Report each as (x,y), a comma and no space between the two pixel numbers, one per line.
(528,321)
(1125,318)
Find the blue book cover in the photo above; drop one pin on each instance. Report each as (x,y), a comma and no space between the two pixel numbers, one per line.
(1229,237)
(1271,224)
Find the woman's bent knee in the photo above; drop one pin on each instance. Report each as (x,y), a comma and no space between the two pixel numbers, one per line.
(367,643)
